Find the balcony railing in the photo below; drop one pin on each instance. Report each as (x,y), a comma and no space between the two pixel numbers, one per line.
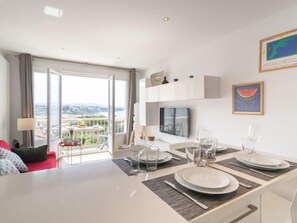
(92,132)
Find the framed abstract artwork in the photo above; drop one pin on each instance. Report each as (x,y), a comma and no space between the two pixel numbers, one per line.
(248,99)
(279,51)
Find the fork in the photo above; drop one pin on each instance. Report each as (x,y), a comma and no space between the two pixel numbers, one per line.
(129,161)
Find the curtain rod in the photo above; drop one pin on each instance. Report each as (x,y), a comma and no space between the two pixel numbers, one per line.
(76,62)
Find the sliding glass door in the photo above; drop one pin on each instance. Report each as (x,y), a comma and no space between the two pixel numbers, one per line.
(94,108)
(111,113)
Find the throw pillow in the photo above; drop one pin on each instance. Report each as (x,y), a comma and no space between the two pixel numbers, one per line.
(7,168)
(32,154)
(15,144)
(14,158)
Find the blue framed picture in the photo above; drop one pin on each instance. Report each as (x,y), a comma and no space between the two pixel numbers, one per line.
(248,99)
(279,51)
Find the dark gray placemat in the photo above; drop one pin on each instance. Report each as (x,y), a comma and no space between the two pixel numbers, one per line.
(227,151)
(184,206)
(126,167)
(274,173)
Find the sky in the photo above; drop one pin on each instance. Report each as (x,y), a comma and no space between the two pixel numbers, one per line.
(81,90)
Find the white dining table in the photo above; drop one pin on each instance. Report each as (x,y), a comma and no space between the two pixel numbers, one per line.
(102,192)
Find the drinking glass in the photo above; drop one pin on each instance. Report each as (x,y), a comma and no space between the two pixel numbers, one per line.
(193,154)
(137,152)
(211,158)
(190,154)
(254,134)
(205,140)
(246,144)
(152,156)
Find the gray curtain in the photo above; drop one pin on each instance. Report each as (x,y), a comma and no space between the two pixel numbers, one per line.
(27,105)
(131,102)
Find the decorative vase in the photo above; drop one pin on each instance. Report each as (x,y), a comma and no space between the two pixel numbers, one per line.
(165,81)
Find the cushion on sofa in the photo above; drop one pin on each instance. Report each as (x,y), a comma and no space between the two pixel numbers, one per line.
(14,158)
(34,166)
(32,154)
(4,145)
(7,168)
(15,144)
(47,164)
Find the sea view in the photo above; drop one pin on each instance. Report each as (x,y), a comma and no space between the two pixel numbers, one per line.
(80,110)
(85,119)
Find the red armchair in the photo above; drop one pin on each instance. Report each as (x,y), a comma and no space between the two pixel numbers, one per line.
(34,166)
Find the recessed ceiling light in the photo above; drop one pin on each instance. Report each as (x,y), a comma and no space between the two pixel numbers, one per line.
(52,11)
(165,19)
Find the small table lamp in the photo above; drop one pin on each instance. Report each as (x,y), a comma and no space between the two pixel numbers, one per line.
(26,124)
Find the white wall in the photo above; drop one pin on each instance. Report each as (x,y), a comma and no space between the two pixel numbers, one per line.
(235,57)
(4,99)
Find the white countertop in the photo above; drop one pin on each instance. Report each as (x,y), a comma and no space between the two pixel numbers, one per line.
(89,193)
(97,192)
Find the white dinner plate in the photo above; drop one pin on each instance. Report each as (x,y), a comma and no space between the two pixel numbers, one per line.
(283,165)
(162,156)
(221,148)
(206,178)
(230,188)
(260,160)
(166,159)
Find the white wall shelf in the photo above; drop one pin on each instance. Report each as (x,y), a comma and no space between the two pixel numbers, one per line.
(200,87)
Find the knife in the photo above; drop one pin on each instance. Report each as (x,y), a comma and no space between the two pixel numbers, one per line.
(247,168)
(185,194)
(244,185)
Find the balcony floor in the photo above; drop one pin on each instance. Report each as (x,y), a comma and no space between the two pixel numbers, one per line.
(86,158)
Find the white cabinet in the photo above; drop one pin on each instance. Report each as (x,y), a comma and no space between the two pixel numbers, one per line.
(275,209)
(247,211)
(190,89)
(196,88)
(152,94)
(147,112)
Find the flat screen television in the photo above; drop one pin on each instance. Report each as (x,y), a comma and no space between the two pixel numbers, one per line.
(175,121)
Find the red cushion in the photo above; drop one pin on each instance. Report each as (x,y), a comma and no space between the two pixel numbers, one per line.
(4,145)
(43,165)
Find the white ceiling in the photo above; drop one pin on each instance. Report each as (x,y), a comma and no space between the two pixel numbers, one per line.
(125,33)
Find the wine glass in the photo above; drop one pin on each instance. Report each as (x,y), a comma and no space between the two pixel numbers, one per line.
(137,152)
(254,135)
(205,140)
